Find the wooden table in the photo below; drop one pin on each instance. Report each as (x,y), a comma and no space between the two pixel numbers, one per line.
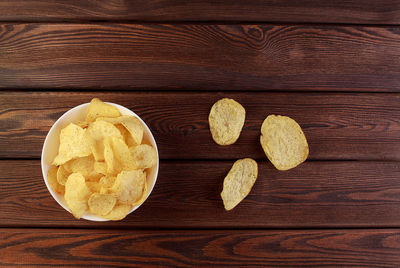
(333,67)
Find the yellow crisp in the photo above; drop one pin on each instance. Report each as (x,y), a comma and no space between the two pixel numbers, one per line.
(52,180)
(100,167)
(145,156)
(112,165)
(129,186)
(122,154)
(73,143)
(94,186)
(226,120)
(101,204)
(62,175)
(283,142)
(97,108)
(76,194)
(238,182)
(106,183)
(132,125)
(119,212)
(98,131)
(126,134)
(83,165)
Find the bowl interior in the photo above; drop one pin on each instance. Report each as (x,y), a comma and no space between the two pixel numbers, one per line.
(51,144)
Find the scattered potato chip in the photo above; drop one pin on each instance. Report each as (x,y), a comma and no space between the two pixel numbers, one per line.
(76,194)
(129,186)
(283,142)
(101,204)
(145,156)
(97,108)
(132,124)
(52,180)
(74,143)
(62,175)
(238,182)
(226,120)
(119,212)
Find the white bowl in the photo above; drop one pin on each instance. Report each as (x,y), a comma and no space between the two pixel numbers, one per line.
(51,144)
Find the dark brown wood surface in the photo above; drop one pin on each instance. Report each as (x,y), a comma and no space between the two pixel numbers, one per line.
(297,248)
(338,126)
(333,66)
(187,195)
(199,57)
(314,11)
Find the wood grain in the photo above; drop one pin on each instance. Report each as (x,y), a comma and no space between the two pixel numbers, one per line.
(314,11)
(187,195)
(199,57)
(338,126)
(311,248)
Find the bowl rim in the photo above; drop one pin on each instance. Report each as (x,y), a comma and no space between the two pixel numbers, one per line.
(92,217)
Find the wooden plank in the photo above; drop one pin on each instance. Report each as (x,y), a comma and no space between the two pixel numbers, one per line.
(187,195)
(310,11)
(199,57)
(337,126)
(244,248)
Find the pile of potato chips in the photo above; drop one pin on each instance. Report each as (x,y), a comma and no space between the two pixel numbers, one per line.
(102,164)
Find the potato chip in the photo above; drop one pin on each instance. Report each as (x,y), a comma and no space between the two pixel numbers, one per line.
(62,175)
(129,186)
(126,134)
(83,165)
(97,108)
(145,156)
(94,186)
(98,131)
(97,148)
(238,182)
(74,143)
(82,124)
(119,212)
(117,156)
(101,129)
(122,154)
(226,120)
(283,142)
(144,196)
(100,167)
(107,181)
(112,165)
(132,124)
(52,180)
(76,194)
(101,204)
